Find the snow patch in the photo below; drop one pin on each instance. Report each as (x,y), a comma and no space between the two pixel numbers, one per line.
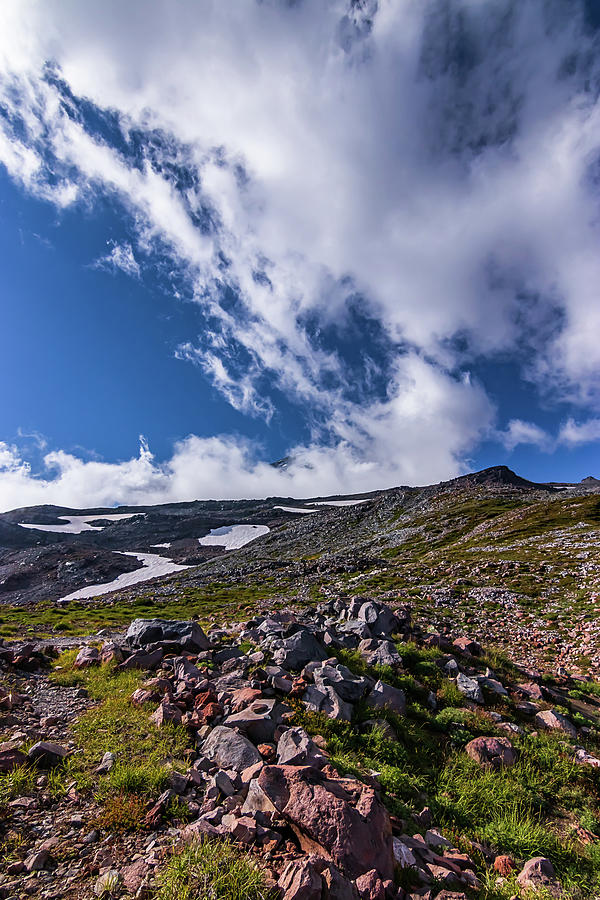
(232,537)
(153,566)
(295,509)
(77,524)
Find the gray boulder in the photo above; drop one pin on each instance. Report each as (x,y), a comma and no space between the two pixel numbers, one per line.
(230,750)
(295,748)
(469,687)
(186,635)
(346,685)
(380,653)
(326,700)
(385,696)
(380,619)
(298,650)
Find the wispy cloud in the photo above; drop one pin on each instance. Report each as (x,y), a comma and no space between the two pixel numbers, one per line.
(120,258)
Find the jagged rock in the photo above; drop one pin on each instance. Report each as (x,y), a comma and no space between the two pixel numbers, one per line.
(135,875)
(538,874)
(469,687)
(584,758)
(10,759)
(298,650)
(300,881)
(47,754)
(552,720)
(142,660)
(230,750)
(327,701)
(380,619)
(370,886)
(380,653)
(87,656)
(185,668)
(111,652)
(166,712)
(37,861)
(346,685)
(258,720)
(492,753)
(106,763)
(186,635)
(467,645)
(384,696)
(342,817)
(107,883)
(296,748)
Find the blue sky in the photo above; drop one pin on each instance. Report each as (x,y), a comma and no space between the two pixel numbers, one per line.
(364,235)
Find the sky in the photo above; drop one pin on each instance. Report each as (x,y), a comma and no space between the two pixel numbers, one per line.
(360,235)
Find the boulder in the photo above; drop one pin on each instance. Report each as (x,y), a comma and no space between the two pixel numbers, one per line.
(469,687)
(166,712)
(370,886)
(258,720)
(10,759)
(380,619)
(341,819)
(346,685)
(47,754)
(384,696)
(142,660)
(491,752)
(87,656)
(111,652)
(296,748)
(230,750)
(380,653)
(298,650)
(552,720)
(187,635)
(467,645)
(326,700)
(538,875)
(300,881)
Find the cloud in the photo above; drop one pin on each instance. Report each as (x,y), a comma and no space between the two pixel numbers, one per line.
(120,258)
(433,163)
(520,432)
(573,434)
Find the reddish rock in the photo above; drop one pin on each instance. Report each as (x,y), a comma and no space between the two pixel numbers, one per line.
(134,875)
(340,818)
(244,697)
(467,645)
(300,881)
(141,696)
(87,656)
(504,865)
(11,759)
(492,753)
(267,751)
(554,721)
(370,886)
(166,712)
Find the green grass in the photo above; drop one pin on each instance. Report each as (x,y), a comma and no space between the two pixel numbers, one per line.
(214,870)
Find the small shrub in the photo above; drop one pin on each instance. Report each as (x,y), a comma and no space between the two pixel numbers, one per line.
(121,812)
(214,870)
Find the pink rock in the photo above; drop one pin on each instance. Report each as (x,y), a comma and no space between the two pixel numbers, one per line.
(539,873)
(166,712)
(467,645)
(552,720)
(87,656)
(370,886)
(300,881)
(492,753)
(341,819)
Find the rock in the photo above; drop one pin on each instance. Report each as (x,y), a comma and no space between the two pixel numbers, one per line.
(106,763)
(384,696)
(87,656)
(111,652)
(341,817)
(35,862)
(12,758)
(380,619)
(230,750)
(185,668)
(346,685)
(538,874)
(492,753)
(370,886)
(47,754)
(256,720)
(107,883)
(467,645)
(380,653)
(504,865)
(296,748)
(326,700)
(186,635)
(552,720)
(581,756)
(298,650)
(142,660)
(166,712)
(135,875)
(300,881)
(469,687)
(403,855)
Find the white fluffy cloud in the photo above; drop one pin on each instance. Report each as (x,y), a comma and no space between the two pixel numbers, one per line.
(438,158)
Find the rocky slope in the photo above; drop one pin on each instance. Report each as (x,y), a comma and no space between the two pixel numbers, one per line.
(342,752)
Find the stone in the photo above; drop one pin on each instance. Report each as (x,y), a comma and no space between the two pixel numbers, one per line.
(341,818)
(255,720)
(184,668)
(36,861)
(106,763)
(370,886)
(166,712)
(107,883)
(47,754)
(538,874)
(492,753)
(142,660)
(135,875)
(347,686)
(326,700)
(186,635)
(298,650)
(504,865)
(384,653)
(300,881)
(380,619)
(552,720)
(111,652)
(87,656)
(296,748)
(11,758)
(384,696)
(467,645)
(403,855)
(469,687)
(230,750)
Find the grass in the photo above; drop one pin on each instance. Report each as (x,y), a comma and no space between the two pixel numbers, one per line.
(214,870)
